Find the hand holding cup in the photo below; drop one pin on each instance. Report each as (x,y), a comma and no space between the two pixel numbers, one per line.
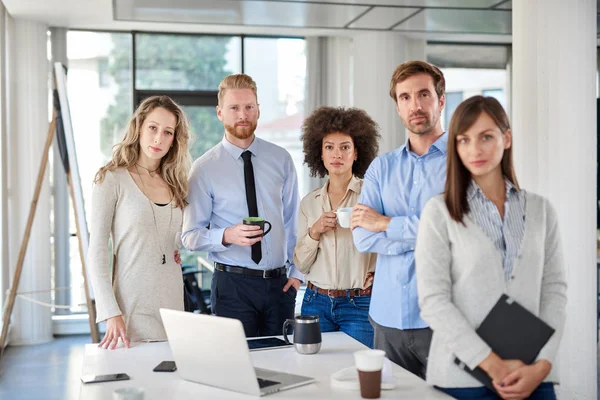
(325,223)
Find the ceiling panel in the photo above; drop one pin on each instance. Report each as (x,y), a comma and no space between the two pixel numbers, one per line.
(467,56)
(405,3)
(382,18)
(459,21)
(507,5)
(234,12)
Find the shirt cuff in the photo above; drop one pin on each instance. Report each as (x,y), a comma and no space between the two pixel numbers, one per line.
(310,242)
(294,273)
(215,236)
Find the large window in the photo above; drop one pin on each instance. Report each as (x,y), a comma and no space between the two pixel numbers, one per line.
(279,68)
(453,99)
(100,100)
(462,83)
(109,73)
(469,70)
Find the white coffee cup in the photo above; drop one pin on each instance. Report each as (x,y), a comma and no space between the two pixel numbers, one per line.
(343,216)
(128,393)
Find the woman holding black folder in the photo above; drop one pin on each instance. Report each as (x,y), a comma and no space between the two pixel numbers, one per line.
(485,237)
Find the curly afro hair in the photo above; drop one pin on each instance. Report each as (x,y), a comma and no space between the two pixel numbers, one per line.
(352,121)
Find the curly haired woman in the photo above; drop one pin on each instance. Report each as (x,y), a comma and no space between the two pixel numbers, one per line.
(339,143)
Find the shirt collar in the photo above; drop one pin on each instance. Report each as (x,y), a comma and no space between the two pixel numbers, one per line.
(354,185)
(440,144)
(474,189)
(236,152)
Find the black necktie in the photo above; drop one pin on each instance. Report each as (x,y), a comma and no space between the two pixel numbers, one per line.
(251,199)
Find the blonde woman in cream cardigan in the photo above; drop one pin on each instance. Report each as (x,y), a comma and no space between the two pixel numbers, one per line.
(482,238)
(138,200)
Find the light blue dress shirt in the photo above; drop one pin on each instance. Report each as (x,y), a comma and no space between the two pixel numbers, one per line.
(217,197)
(398,184)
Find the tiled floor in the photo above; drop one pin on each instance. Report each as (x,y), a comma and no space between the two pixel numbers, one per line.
(48,371)
(51,371)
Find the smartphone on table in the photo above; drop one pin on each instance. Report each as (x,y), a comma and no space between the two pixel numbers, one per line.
(104,378)
(165,366)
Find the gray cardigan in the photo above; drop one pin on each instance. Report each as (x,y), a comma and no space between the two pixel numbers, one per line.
(460,278)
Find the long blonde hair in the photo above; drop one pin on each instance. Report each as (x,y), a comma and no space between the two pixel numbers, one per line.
(174,166)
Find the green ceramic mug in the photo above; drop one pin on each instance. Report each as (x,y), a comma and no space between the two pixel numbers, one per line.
(260,221)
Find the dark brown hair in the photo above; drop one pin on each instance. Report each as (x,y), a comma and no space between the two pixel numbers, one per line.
(411,68)
(354,122)
(458,177)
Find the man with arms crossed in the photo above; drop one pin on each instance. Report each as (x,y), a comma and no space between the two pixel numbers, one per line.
(396,187)
(240,177)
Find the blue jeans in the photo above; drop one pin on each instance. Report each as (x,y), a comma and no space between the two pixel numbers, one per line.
(347,314)
(543,392)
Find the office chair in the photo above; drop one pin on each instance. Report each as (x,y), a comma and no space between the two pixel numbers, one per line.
(195,299)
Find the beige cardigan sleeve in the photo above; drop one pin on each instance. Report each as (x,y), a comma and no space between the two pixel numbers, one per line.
(433,260)
(104,202)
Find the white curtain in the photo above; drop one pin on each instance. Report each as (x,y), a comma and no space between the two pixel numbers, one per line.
(26,106)
(3,180)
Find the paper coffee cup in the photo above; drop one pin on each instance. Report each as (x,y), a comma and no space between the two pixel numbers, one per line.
(369,364)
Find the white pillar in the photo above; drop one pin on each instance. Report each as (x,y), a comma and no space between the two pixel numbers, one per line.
(3,163)
(27,104)
(554,123)
(375,57)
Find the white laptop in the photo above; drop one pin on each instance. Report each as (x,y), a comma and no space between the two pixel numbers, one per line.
(213,351)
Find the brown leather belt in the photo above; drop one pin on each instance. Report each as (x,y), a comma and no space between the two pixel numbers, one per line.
(341,292)
(259,273)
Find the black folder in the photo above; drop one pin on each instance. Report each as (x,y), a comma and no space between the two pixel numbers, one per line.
(513,333)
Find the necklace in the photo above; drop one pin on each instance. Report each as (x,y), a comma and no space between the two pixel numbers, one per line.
(163,259)
(149,172)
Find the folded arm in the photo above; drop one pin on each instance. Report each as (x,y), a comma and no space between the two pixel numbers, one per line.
(374,232)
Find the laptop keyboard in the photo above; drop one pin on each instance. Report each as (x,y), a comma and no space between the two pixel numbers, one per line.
(263,383)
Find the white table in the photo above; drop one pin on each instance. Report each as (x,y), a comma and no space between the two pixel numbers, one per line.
(336,354)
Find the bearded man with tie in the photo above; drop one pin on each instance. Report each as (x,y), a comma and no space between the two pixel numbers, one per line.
(254,279)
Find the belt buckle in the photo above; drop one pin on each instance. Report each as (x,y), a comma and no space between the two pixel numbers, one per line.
(329,292)
(264,274)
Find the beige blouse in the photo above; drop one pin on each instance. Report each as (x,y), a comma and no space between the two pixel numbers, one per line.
(331,262)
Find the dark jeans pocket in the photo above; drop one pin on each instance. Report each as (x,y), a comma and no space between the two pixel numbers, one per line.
(292,292)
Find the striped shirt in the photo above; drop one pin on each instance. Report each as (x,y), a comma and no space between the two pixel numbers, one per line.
(506,235)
